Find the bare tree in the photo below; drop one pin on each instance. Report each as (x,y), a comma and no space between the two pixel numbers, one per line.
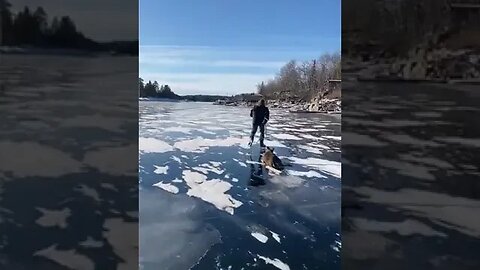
(304,80)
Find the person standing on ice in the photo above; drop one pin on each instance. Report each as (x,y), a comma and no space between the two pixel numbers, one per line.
(260,115)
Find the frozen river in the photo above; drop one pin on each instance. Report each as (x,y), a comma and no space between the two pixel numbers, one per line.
(206,203)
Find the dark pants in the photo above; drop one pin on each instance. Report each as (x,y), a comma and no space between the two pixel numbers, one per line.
(254,130)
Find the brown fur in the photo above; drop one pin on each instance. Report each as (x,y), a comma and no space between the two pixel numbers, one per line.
(270,159)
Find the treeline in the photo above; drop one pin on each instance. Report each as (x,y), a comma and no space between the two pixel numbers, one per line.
(153,89)
(302,80)
(34,28)
(394,25)
(203,98)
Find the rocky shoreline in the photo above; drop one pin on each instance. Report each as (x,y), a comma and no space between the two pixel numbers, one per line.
(316,105)
(430,61)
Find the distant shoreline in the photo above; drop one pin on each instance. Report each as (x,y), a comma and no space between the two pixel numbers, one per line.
(170,100)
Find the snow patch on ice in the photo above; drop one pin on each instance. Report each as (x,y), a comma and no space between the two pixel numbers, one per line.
(167,187)
(275,236)
(211,191)
(283,136)
(260,237)
(310,149)
(337,138)
(152,145)
(275,262)
(160,169)
(309,174)
(333,168)
(200,145)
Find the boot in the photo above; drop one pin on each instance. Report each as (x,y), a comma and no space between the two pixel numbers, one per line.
(262,144)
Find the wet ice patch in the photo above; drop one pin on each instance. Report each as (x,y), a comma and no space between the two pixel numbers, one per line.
(167,187)
(260,237)
(152,145)
(275,262)
(211,191)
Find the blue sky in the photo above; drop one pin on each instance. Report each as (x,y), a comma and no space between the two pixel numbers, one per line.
(228,46)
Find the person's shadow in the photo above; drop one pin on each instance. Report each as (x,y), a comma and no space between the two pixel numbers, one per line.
(256,176)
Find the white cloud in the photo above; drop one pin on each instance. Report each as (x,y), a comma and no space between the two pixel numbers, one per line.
(215,70)
(172,61)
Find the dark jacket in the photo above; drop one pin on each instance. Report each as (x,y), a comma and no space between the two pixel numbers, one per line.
(260,114)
